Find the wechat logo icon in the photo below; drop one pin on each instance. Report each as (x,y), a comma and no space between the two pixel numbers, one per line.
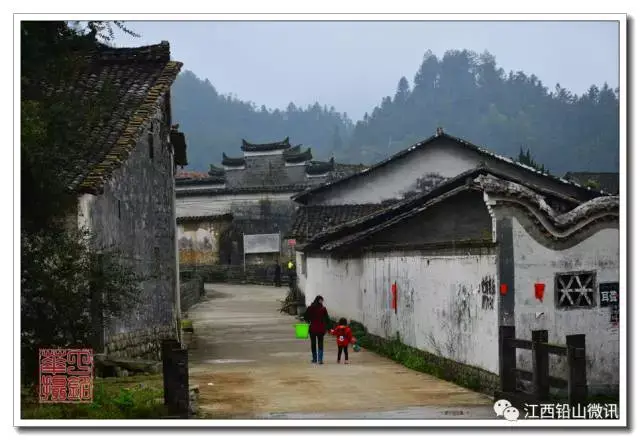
(503,408)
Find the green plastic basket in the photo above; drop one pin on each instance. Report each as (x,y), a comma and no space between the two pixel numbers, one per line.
(302,330)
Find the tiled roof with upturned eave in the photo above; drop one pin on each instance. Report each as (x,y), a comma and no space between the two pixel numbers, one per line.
(284,144)
(232,161)
(352,231)
(133,81)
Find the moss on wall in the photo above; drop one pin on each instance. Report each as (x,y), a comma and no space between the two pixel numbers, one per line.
(464,375)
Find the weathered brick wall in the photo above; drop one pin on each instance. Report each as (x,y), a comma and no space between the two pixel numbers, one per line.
(191,292)
(135,215)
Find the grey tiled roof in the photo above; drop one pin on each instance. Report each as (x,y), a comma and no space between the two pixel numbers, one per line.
(133,80)
(312,220)
(349,232)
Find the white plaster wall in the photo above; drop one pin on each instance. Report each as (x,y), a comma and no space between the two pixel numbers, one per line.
(199,235)
(217,204)
(439,304)
(185,188)
(85,201)
(338,281)
(446,159)
(394,179)
(439,301)
(301,278)
(535,263)
(263,153)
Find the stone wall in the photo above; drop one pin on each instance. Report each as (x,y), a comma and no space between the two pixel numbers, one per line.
(233,274)
(191,292)
(145,344)
(135,215)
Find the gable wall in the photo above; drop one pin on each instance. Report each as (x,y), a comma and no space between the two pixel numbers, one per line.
(444,157)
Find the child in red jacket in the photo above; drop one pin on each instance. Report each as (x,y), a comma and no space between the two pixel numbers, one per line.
(344,337)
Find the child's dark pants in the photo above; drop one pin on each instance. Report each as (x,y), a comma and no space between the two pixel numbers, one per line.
(346,353)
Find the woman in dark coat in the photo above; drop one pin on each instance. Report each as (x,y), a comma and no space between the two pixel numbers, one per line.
(318,318)
(277,276)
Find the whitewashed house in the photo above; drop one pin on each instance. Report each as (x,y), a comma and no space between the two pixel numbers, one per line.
(463,237)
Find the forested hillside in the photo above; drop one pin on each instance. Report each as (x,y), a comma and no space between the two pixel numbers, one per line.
(465,93)
(216,123)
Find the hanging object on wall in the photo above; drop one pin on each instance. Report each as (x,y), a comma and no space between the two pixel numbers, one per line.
(394,297)
(503,289)
(539,291)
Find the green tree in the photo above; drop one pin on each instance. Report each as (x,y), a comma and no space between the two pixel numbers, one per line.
(525,158)
(67,284)
(470,96)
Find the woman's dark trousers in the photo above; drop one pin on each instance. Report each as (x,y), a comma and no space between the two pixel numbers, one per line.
(317,347)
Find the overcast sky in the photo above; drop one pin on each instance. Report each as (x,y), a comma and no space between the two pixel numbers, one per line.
(352,65)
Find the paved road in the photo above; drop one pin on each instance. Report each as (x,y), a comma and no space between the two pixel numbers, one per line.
(248,364)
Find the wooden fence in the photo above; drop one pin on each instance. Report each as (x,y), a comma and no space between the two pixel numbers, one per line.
(574,351)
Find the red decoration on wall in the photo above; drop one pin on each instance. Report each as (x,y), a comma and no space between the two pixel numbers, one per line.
(394,297)
(503,289)
(539,291)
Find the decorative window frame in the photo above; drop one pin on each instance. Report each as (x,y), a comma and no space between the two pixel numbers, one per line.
(566,283)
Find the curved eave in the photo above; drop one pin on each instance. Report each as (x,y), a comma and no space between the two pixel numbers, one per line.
(282,145)
(300,157)
(232,161)
(293,151)
(215,171)
(320,168)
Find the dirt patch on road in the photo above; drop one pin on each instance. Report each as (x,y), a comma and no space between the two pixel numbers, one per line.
(228,395)
(214,294)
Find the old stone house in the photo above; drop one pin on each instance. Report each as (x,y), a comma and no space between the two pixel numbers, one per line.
(441,260)
(125,185)
(247,195)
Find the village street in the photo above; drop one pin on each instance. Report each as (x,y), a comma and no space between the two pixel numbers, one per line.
(248,364)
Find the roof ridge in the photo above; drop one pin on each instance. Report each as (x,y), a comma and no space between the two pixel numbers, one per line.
(442,135)
(160,53)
